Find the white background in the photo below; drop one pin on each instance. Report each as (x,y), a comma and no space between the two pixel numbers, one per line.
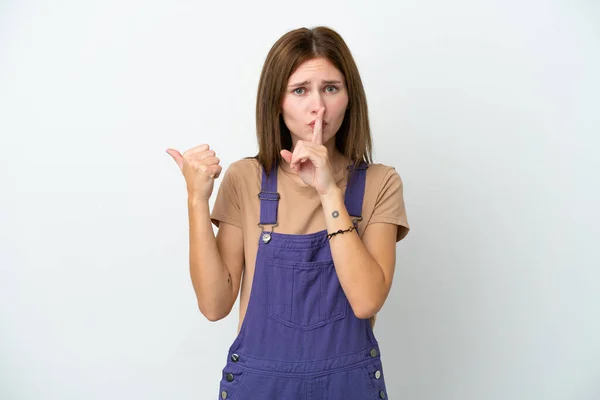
(489,110)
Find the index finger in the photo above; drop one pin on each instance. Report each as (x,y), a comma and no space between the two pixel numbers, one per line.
(318,129)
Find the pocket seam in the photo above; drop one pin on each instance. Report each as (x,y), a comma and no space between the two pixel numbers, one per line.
(281,263)
(302,265)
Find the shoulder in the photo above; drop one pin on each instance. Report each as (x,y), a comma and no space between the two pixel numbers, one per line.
(384,198)
(380,169)
(244,169)
(244,164)
(239,184)
(381,176)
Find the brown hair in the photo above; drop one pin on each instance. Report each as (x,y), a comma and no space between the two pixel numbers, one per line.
(353,139)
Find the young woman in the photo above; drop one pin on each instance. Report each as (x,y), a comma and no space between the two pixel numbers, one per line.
(311,222)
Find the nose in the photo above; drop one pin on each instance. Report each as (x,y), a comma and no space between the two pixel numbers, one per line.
(316,102)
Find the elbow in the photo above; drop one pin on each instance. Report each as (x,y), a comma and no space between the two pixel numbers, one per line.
(366,310)
(368,305)
(361,314)
(212,315)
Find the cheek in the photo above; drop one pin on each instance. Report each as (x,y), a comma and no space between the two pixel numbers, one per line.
(338,106)
(290,110)
(337,113)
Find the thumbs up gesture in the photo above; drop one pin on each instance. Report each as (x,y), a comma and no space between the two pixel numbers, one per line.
(200,167)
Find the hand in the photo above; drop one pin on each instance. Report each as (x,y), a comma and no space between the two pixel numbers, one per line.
(200,168)
(310,160)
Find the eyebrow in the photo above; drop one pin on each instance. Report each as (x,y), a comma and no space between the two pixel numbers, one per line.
(307,82)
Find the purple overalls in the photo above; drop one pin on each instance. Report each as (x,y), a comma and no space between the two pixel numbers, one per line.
(300,338)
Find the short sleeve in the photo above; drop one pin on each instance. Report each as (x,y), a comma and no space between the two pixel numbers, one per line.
(389,206)
(227,204)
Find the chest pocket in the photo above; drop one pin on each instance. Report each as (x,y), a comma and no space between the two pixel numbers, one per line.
(304,295)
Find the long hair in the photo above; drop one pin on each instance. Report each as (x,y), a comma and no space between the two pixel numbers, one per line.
(353,139)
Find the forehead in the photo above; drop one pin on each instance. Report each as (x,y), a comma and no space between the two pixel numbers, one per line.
(320,67)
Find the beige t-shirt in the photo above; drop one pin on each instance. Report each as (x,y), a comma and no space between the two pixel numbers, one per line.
(299,210)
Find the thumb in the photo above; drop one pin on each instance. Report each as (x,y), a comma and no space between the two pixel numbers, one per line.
(176,156)
(287,155)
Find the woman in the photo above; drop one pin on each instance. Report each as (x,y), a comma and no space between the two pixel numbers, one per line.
(311,222)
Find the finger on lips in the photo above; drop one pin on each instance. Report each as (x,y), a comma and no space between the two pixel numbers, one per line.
(318,128)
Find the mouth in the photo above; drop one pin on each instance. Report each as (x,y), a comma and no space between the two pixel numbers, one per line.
(312,124)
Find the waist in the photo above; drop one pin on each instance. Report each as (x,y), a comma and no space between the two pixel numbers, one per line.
(307,368)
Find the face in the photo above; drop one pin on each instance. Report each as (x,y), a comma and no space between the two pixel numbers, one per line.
(315,84)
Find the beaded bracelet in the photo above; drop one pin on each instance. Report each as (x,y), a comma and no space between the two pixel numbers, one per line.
(330,235)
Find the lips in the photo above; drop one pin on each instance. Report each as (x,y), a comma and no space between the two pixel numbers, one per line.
(312,124)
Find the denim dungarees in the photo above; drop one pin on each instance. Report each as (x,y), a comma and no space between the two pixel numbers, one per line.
(300,338)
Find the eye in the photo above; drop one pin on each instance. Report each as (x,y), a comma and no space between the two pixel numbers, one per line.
(335,89)
(296,91)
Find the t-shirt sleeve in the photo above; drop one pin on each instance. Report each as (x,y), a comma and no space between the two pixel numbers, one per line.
(389,206)
(227,204)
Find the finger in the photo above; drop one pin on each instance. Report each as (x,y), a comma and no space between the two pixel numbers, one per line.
(208,161)
(286,155)
(197,149)
(301,156)
(215,171)
(300,152)
(205,154)
(176,156)
(318,129)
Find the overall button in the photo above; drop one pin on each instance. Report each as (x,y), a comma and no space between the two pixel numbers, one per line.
(223,394)
(229,377)
(235,358)
(266,237)
(377,374)
(373,353)
(382,394)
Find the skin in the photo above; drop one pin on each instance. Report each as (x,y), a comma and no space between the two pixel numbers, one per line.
(365,268)
(316,92)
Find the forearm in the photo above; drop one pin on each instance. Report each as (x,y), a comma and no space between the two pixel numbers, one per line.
(210,276)
(360,276)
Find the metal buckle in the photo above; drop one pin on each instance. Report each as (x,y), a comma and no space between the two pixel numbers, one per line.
(266,236)
(355,220)
(277,197)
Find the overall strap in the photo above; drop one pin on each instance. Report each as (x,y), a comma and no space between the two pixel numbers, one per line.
(269,198)
(355,191)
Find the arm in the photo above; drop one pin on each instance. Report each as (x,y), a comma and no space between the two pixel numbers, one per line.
(215,263)
(364,267)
